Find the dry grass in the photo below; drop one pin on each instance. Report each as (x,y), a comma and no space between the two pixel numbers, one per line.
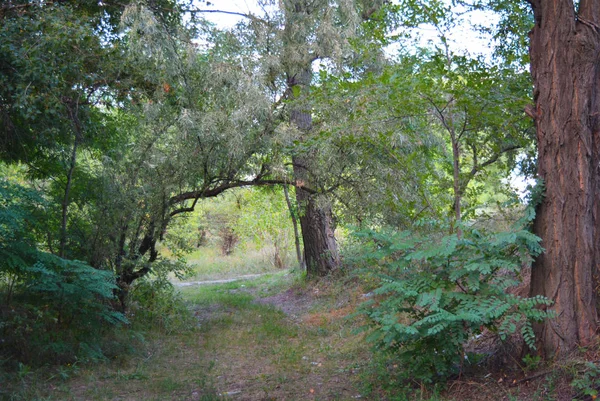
(208,263)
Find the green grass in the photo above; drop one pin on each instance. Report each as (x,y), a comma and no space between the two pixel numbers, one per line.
(237,348)
(208,263)
(236,344)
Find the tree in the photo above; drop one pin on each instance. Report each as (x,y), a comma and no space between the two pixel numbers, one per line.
(289,40)
(564,49)
(421,133)
(315,31)
(321,255)
(68,92)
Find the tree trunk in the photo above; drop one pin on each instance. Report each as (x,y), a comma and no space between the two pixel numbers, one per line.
(565,50)
(316,220)
(456,183)
(295,224)
(316,217)
(65,201)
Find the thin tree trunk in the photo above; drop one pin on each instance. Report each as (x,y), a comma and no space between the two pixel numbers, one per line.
(295,225)
(565,66)
(65,201)
(456,183)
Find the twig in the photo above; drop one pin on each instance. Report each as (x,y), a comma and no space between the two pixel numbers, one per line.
(534,376)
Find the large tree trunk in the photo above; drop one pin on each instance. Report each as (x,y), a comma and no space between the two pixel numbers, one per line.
(565,49)
(321,255)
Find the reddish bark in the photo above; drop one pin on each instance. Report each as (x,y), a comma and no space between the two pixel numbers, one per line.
(565,66)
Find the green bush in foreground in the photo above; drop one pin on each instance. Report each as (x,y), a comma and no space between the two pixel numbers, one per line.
(52,310)
(435,295)
(156,304)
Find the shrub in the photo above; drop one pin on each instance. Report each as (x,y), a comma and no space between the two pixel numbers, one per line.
(156,303)
(587,382)
(59,310)
(436,294)
(53,309)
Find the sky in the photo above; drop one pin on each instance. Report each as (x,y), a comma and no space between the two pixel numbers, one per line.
(228,21)
(463,39)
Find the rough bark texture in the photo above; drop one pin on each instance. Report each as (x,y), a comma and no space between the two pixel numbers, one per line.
(565,48)
(321,255)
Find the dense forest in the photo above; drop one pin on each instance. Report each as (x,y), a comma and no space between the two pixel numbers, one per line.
(364,158)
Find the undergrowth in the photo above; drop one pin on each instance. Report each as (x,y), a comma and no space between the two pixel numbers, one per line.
(437,294)
(52,310)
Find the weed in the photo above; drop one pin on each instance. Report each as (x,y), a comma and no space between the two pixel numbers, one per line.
(531,363)
(587,382)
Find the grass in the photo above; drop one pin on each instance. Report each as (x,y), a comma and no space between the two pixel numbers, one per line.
(240,344)
(238,349)
(208,263)
(260,351)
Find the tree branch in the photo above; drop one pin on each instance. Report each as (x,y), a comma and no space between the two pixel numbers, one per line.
(478,167)
(204,11)
(210,193)
(184,209)
(494,158)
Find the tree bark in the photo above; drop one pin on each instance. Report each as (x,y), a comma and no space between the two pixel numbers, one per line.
(321,255)
(456,182)
(565,66)
(316,217)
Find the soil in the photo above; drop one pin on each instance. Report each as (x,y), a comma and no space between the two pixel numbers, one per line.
(292,302)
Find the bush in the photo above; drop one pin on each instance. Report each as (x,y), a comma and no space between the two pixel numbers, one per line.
(436,294)
(587,382)
(156,303)
(58,312)
(53,309)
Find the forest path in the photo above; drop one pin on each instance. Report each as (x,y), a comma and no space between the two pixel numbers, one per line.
(220,281)
(270,337)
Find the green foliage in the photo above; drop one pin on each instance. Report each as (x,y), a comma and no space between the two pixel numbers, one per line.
(587,383)
(531,362)
(386,140)
(52,306)
(19,217)
(436,294)
(242,219)
(265,220)
(156,304)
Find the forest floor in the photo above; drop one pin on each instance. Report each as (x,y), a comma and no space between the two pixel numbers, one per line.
(267,338)
(270,337)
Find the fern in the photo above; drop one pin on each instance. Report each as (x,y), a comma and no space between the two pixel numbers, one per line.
(438,294)
(54,302)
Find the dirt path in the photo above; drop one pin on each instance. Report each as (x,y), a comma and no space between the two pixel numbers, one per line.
(254,341)
(293,345)
(222,281)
